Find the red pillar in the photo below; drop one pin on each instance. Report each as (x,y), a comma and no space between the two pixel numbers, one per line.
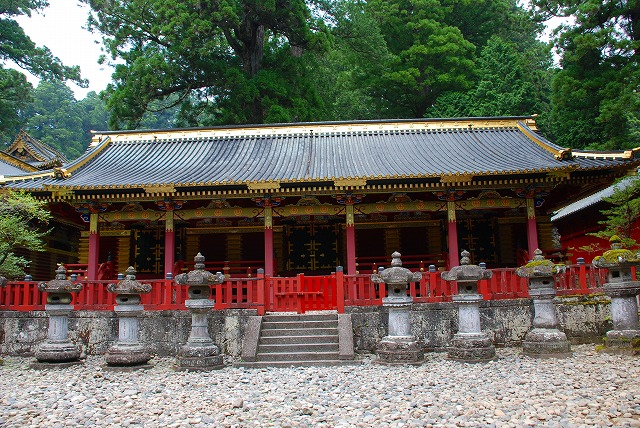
(351,241)
(169,243)
(268,241)
(94,247)
(532,227)
(452,235)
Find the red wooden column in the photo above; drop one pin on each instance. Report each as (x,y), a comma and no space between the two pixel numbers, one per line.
(169,242)
(94,247)
(268,240)
(351,240)
(452,235)
(532,227)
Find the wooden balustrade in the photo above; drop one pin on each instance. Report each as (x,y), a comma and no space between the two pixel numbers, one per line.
(302,293)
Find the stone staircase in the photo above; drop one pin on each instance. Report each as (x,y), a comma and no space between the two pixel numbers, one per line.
(321,339)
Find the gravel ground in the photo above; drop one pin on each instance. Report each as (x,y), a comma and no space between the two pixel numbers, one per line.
(588,389)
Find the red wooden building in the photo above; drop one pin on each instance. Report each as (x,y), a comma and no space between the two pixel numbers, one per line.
(307,197)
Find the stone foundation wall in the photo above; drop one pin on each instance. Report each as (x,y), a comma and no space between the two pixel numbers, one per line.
(163,331)
(584,319)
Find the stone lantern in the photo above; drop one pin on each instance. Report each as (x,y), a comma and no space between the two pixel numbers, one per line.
(470,344)
(623,288)
(544,340)
(128,351)
(58,349)
(199,353)
(399,346)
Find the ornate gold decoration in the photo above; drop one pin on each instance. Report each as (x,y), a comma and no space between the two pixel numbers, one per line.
(264,185)
(160,188)
(349,182)
(61,173)
(457,178)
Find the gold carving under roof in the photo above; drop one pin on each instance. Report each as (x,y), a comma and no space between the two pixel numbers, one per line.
(349,182)
(458,178)
(264,185)
(160,188)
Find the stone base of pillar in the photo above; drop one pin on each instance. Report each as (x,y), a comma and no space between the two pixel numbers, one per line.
(471,348)
(399,350)
(199,357)
(51,351)
(545,343)
(48,366)
(625,342)
(128,355)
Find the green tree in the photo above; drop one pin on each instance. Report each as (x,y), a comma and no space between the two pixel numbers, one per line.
(18,48)
(94,114)
(512,81)
(54,118)
(21,220)
(229,61)
(595,102)
(428,57)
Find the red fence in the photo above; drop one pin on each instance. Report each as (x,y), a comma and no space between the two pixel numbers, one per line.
(302,293)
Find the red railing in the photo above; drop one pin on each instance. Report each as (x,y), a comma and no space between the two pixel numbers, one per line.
(302,293)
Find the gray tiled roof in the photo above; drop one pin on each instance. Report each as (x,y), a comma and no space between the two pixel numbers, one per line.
(7,168)
(590,200)
(315,153)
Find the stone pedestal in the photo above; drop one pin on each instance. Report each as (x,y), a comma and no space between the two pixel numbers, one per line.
(127,351)
(199,353)
(399,346)
(625,336)
(623,289)
(544,339)
(58,348)
(470,344)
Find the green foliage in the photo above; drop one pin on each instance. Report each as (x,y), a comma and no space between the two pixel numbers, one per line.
(17,47)
(54,118)
(232,61)
(21,219)
(595,102)
(428,57)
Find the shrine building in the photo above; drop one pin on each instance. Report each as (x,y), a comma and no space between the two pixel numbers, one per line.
(307,197)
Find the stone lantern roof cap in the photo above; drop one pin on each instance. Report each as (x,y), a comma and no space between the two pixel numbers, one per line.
(198,276)
(60,283)
(617,256)
(539,267)
(396,274)
(466,271)
(129,285)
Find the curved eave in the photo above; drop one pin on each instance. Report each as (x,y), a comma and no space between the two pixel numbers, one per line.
(20,164)
(356,181)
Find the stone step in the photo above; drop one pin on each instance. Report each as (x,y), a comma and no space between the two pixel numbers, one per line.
(275,340)
(300,317)
(298,332)
(270,325)
(298,356)
(285,364)
(297,348)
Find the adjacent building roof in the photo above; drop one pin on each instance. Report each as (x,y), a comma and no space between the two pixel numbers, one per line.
(10,165)
(34,152)
(590,200)
(271,155)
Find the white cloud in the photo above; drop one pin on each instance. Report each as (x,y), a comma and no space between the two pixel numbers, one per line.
(61,27)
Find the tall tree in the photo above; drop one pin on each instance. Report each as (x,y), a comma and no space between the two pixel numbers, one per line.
(21,220)
(428,56)
(229,61)
(17,47)
(595,100)
(54,118)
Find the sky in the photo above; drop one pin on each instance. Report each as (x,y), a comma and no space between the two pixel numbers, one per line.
(60,27)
